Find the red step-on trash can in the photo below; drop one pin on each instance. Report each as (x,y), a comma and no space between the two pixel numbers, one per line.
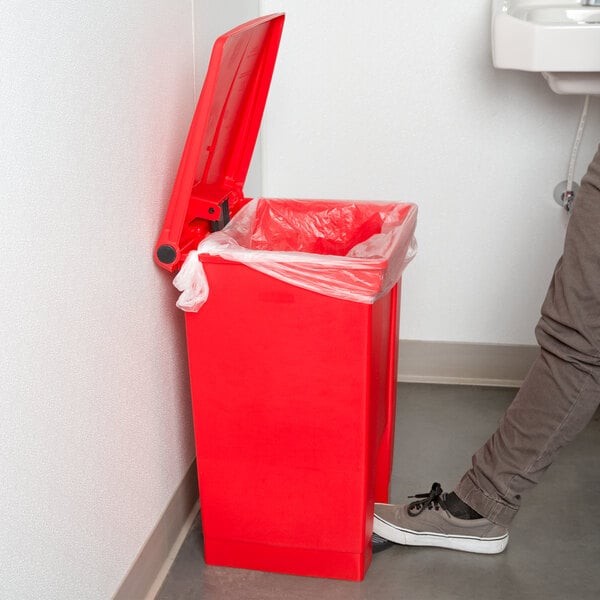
(293,353)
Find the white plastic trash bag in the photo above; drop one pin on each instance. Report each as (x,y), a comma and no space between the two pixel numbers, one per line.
(354,251)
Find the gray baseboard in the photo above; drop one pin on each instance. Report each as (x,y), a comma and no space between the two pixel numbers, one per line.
(142,577)
(464,364)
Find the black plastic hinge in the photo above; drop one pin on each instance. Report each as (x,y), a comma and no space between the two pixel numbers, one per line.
(224,217)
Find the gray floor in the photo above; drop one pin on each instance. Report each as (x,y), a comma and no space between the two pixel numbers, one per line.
(554,548)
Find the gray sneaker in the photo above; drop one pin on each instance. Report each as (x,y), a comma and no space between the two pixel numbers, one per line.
(428,522)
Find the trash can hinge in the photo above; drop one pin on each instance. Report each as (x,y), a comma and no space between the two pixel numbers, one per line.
(224,217)
(216,212)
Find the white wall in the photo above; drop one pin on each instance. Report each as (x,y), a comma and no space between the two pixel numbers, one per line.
(399,101)
(95,424)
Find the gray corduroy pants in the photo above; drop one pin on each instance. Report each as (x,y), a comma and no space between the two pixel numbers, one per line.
(562,390)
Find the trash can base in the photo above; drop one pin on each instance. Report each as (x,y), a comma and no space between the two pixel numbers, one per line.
(289,561)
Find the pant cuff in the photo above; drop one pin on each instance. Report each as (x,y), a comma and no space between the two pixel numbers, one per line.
(493,509)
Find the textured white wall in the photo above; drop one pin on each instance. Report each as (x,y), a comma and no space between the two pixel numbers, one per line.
(95,424)
(399,101)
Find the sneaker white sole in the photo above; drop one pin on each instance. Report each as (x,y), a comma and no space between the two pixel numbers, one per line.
(464,543)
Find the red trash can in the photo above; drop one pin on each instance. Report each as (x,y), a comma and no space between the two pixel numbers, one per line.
(293,352)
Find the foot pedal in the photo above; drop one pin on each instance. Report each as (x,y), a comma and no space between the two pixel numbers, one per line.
(380,544)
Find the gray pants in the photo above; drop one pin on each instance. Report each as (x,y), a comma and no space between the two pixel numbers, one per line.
(562,390)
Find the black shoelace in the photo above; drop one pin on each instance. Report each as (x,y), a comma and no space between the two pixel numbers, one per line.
(431,500)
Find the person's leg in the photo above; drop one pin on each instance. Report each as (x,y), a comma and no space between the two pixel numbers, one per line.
(562,390)
(557,399)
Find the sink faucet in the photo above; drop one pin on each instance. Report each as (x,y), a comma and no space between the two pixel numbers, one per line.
(590,2)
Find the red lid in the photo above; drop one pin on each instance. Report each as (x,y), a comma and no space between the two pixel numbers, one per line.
(222,136)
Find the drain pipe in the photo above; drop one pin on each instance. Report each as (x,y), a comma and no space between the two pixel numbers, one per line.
(564,192)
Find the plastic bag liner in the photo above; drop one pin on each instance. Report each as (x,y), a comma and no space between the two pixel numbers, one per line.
(349,250)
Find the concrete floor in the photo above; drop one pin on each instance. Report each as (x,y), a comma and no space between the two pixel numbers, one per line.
(554,547)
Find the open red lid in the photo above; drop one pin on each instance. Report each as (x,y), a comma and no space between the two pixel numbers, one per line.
(221,140)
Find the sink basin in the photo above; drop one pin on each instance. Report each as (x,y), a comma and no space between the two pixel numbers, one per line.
(558,15)
(558,38)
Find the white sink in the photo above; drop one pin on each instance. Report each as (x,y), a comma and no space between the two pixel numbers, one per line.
(558,38)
